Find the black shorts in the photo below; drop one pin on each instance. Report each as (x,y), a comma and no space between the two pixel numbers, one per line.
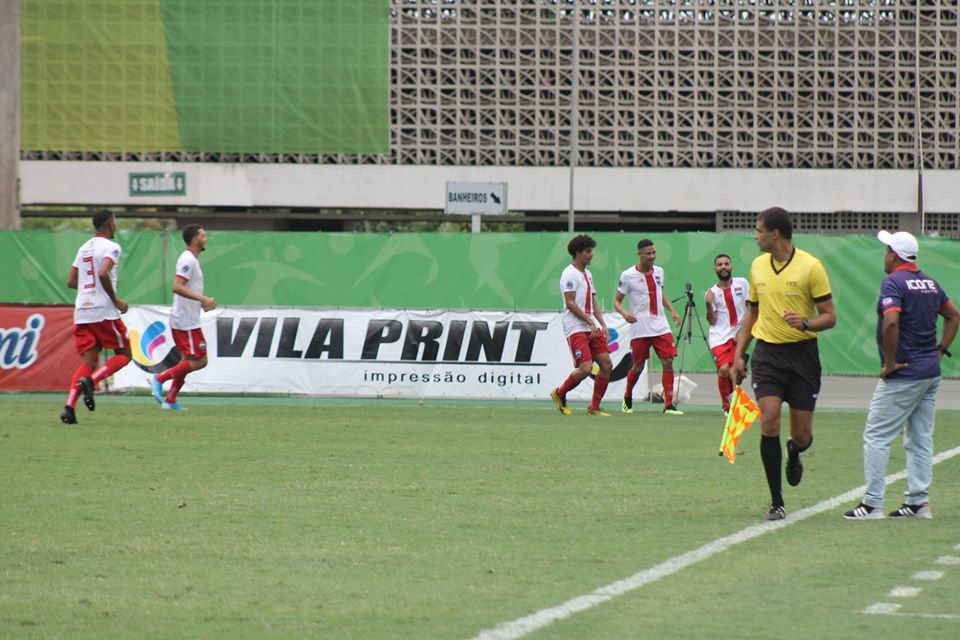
(789,371)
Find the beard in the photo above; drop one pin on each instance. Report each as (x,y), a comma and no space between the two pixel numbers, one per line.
(724,275)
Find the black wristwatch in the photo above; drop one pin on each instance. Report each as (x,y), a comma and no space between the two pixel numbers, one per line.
(805,324)
(942,349)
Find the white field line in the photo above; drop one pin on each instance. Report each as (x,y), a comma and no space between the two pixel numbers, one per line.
(544,617)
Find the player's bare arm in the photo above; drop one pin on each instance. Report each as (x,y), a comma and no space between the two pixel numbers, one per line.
(72,278)
(618,305)
(600,321)
(180,288)
(711,314)
(104,275)
(673,312)
(570,300)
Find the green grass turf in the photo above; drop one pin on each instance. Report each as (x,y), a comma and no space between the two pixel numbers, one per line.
(260,518)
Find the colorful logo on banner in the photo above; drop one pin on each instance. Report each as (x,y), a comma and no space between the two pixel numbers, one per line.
(153,350)
(18,346)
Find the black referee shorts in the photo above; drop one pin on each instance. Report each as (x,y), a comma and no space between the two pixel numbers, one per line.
(789,371)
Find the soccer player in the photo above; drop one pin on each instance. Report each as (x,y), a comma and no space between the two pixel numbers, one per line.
(642,285)
(906,394)
(188,301)
(584,327)
(726,306)
(96,317)
(790,303)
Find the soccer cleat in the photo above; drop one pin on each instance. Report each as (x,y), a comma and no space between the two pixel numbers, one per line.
(864,512)
(671,410)
(561,402)
(775,512)
(156,387)
(85,384)
(68,416)
(794,466)
(913,511)
(176,406)
(626,405)
(598,412)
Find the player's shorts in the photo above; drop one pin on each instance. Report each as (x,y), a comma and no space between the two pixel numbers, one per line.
(190,342)
(584,348)
(790,371)
(106,334)
(723,353)
(662,344)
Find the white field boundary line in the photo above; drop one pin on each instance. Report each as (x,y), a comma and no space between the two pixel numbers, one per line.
(544,617)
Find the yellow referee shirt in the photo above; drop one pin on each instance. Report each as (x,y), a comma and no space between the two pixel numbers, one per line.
(796,285)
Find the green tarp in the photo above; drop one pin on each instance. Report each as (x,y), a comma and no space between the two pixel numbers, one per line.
(461,271)
(245,76)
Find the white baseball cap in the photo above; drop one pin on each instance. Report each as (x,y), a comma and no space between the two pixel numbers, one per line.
(901,243)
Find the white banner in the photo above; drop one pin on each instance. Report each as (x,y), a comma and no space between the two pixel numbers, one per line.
(375,353)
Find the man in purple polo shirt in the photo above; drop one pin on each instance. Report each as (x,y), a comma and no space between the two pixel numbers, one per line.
(906,393)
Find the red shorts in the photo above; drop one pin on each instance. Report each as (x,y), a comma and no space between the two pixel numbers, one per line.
(663,345)
(106,334)
(723,354)
(190,342)
(584,348)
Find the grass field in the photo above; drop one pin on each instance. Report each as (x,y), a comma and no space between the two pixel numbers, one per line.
(292,518)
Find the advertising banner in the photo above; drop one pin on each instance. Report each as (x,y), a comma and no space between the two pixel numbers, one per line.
(36,347)
(375,353)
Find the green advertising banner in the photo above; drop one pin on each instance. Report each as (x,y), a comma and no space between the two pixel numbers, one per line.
(490,271)
(232,76)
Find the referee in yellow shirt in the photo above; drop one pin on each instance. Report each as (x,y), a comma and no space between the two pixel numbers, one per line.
(790,302)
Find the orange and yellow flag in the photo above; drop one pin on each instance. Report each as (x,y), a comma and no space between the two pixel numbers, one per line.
(743,412)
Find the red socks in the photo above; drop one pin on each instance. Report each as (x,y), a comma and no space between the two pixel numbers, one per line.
(110,367)
(175,389)
(726,388)
(632,379)
(82,371)
(569,384)
(667,380)
(599,388)
(180,370)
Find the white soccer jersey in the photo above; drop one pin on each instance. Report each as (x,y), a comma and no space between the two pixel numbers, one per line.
(93,304)
(581,283)
(730,306)
(644,292)
(185,313)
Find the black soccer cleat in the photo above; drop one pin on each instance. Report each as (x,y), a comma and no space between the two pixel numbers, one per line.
(775,512)
(67,416)
(794,466)
(85,384)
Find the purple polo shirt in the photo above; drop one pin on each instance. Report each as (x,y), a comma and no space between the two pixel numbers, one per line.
(919,299)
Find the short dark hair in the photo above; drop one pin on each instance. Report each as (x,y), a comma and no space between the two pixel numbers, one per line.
(580,243)
(101,218)
(190,232)
(722,255)
(777,219)
(643,244)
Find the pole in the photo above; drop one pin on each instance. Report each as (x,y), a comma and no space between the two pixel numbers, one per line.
(919,126)
(574,97)
(9,114)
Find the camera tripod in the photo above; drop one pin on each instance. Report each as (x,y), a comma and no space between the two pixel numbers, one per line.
(686,331)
